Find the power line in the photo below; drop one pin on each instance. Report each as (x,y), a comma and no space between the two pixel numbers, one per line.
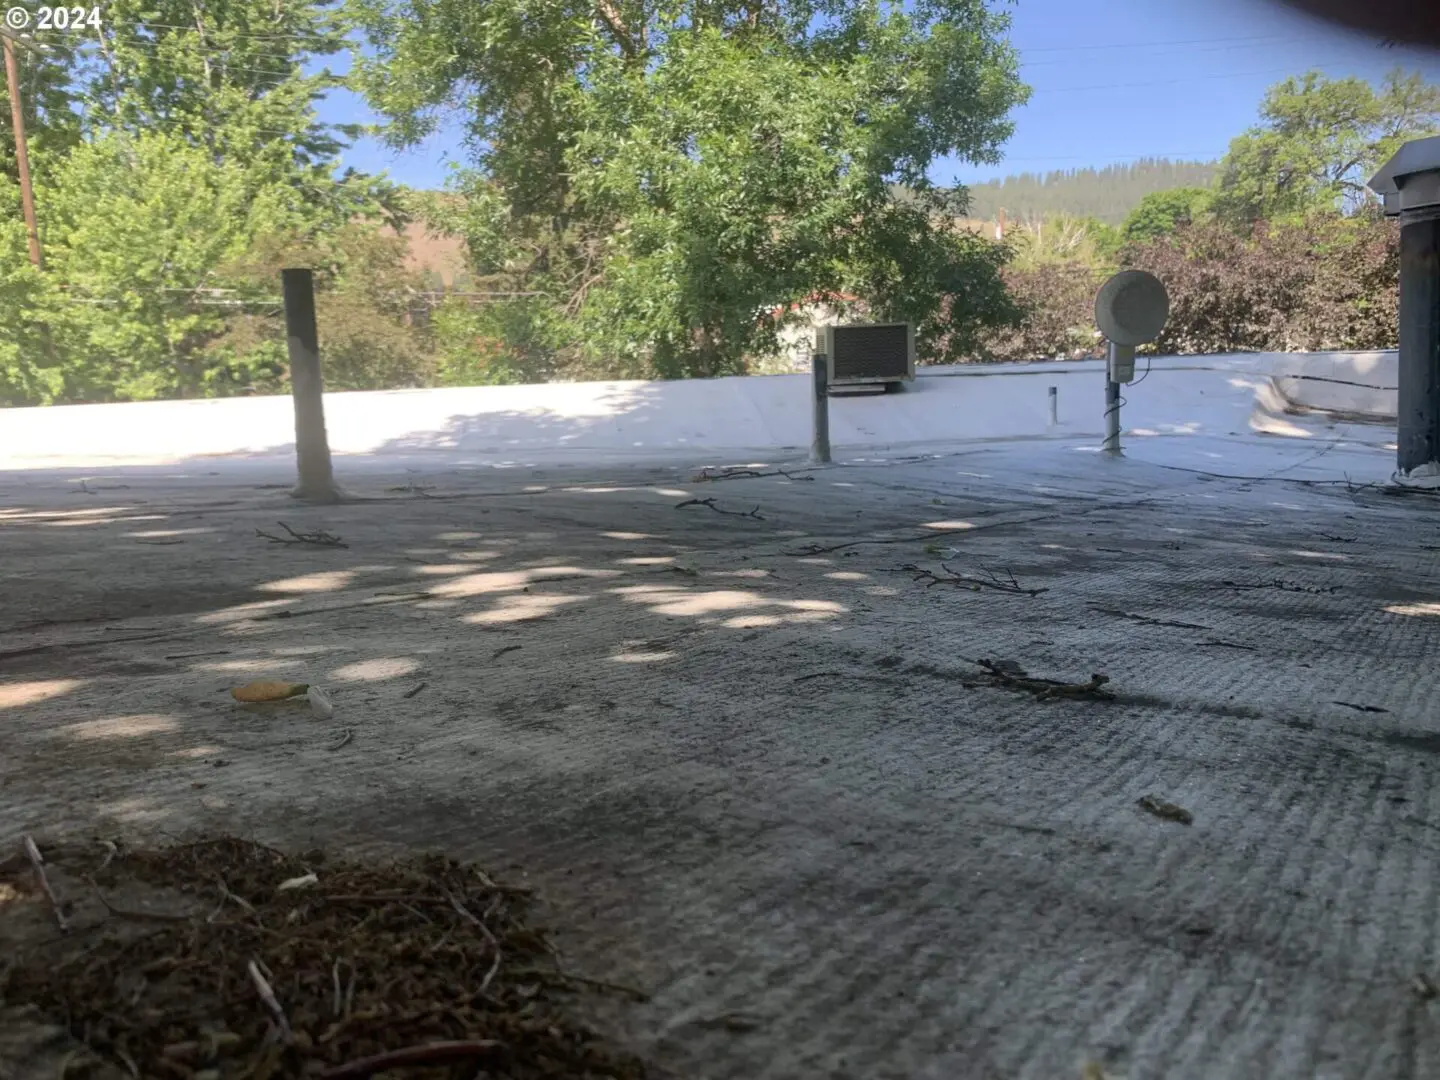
(1154,44)
(136,41)
(1289,70)
(218,58)
(316,130)
(283,36)
(302,37)
(1160,52)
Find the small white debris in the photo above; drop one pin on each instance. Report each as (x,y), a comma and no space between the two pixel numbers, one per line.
(320,703)
(303,882)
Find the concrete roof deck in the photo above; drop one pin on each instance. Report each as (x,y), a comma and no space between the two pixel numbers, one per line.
(742,747)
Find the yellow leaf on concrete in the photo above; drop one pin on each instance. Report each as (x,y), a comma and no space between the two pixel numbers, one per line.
(269,691)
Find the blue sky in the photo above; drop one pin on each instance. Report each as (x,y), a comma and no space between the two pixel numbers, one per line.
(1113,80)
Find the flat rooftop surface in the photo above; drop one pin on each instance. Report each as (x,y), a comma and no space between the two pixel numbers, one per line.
(734,730)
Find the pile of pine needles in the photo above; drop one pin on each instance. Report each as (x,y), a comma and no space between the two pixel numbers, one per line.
(227,959)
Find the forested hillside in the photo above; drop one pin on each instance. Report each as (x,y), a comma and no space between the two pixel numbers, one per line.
(1107,194)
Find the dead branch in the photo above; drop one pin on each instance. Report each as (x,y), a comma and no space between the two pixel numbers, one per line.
(577,298)
(418,898)
(318,538)
(823,549)
(372,601)
(427,1054)
(732,1021)
(38,862)
(111,850)
(719,510)
(1165,811)
(1145,620)
(1400,489)
(267,995)
(884,680)
(31,650)
(130,913)
(581,980)
(86,489)
(413,489)
(345,739)
(469,917)
(1010,674)
(227,895)
(1006,584)
(705,475)
(610,16)
(1283,586)
(338,1007)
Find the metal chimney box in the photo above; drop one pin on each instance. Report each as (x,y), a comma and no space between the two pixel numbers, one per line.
(868,353)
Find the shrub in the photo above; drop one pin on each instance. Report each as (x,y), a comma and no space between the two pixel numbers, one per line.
(1327,282)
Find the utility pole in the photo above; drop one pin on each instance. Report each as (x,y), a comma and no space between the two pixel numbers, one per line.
(312,448)
(22,156)
(820,431)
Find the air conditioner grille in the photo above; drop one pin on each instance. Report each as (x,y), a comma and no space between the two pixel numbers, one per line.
(871,351)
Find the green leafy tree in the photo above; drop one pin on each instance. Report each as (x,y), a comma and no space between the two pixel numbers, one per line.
(228,76)
(175,140)
(137,227)
(664,172)
(28,374)
(1063,239)
(1162,212)
(1318,142)
(1108,240)
(49,103)
(375,332)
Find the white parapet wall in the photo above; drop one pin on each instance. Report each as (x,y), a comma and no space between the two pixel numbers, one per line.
(1352,385)
(1225,396)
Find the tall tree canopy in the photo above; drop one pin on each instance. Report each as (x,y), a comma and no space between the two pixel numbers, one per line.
(48,98)
(168,143)
(1162,212)
(666,171)
(1319,141)
(228,76)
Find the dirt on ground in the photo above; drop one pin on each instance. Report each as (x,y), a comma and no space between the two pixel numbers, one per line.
(1015,763)
(226,959)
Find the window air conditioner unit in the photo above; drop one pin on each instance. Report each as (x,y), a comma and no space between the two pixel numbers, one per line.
(861,354)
